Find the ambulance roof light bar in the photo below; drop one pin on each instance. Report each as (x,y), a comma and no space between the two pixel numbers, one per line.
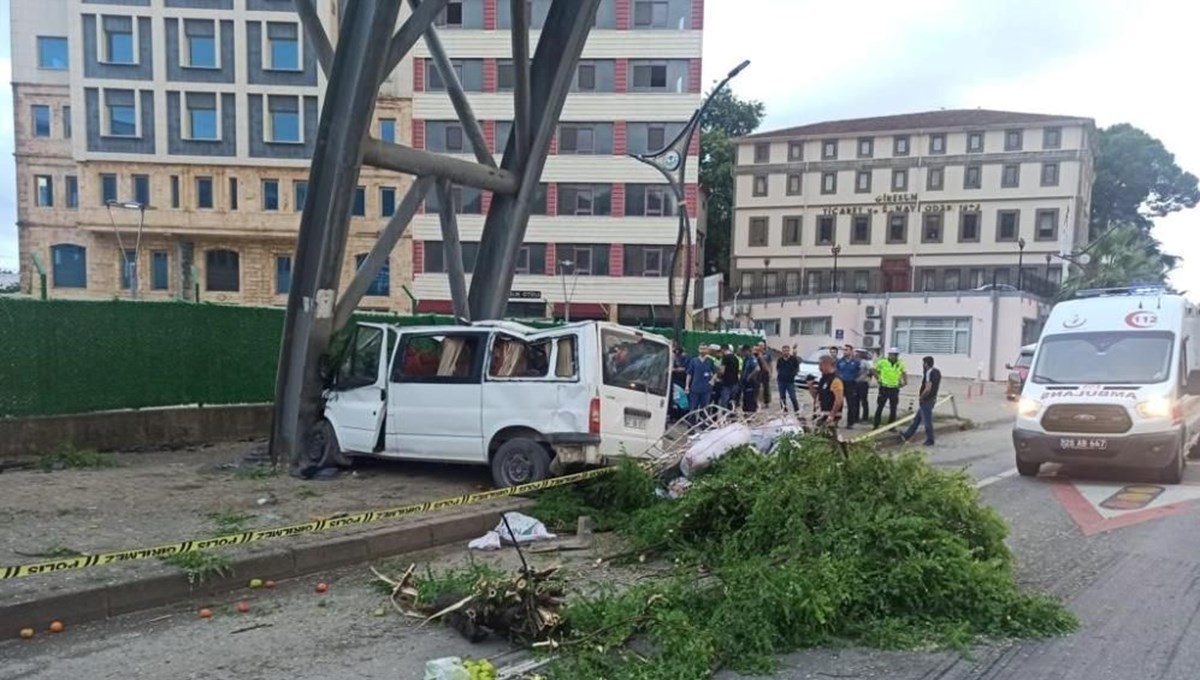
(1120,290)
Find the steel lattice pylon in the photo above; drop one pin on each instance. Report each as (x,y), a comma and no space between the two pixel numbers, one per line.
(368,51)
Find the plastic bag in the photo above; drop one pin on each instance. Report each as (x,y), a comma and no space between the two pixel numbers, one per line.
(488,541)
(711,446)
(526,528)
(448,668)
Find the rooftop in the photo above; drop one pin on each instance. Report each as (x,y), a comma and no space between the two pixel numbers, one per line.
(945,118)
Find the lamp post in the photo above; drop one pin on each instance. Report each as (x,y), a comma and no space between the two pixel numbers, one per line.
(671,161)
(1020,263)
(836,250)
(564,267)
(128,264)
(1047,275)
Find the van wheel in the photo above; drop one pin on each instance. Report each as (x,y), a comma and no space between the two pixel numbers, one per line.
(1173,472)
(519,461)
(323,449)
(1028,469)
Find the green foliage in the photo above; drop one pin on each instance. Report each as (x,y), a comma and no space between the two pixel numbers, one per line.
(230,521)
(807,547)
(256,472)
(200,566)
(1126,255)
(728,116)
(67,457)
(608,500)
(452,584)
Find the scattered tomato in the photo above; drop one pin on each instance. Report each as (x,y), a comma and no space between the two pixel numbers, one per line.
(269,584)
(56,626)
(243,606)
(322,587)
(26,633)
(206,613)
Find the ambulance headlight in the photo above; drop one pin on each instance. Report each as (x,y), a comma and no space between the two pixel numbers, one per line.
(1028,408)
(1161,407)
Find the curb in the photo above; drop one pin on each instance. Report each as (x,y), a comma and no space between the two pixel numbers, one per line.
(133,594)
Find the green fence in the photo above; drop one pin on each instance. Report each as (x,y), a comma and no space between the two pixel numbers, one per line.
(68,356)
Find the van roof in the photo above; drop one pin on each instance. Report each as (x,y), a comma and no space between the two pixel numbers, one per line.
(521,329)
(1129,312)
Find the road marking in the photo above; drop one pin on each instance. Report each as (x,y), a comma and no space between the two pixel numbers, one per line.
(988,481)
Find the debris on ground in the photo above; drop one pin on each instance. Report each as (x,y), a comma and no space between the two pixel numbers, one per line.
(514,528)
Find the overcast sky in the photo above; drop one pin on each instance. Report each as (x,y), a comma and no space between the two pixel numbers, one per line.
(1111,60)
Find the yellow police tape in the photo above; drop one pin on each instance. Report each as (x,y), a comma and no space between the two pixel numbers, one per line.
(899,422)
(369,517)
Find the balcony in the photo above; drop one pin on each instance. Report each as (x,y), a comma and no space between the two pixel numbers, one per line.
(790,285)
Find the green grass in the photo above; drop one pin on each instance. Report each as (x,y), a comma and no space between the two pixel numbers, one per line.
(256,472)
(200,566)
(67,457)
(230,521)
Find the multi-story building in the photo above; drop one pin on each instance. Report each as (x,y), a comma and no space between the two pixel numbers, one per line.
(941,205)
(206,112)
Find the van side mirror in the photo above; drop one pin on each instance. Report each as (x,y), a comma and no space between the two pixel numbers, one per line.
(1008,366)
(1193,382)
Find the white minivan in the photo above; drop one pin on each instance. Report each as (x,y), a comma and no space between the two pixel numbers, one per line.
(1113,383)
(499,393)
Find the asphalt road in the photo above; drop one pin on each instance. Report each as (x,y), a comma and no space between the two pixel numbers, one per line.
(1134,589)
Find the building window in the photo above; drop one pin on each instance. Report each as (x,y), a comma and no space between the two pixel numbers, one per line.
(656,137)
(66,114)
(791,283)
(768,326)
(586,260)
(829,150)
(928,279)
(270,194)
(387,201)
(585,77)
(866,147)
(202,116)
(128,268)
(72,186)
(762,153)
(222,271)
(70,266)
(204,192)
(359,208)
(122,113)
(829,182)
(53,53)
(160,270)
(968,227)
(201,43)
(648,200)
(1052,138)
(108,188)
(935,179)
(44,190)
(862,281)
(917,336)
(1049,174)
(1047,225)
(792,230)
(469,200)
(826,227)
(794,184)
(585,138)
(451,16)
(1007,225)
(41,120)
(649,76)
(795,151)
(283,274)
(141,189)
(900,179)
(974,142)
(759,232)
(760,185)
(381,285)
(650,14)
(175,191)
(972,176)
(931,230)
(1010,177)
(812,325)
(283,45)
(118,40)
(937,143)
(900,145)
(387,130)
(299,194)
(647,260)
(862,182)
(1013,140)
(531,259)
(897,228)
(860,230)
(233,193)
(584,199)
(285,119)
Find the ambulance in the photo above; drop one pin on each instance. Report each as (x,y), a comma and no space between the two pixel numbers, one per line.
(1114,382)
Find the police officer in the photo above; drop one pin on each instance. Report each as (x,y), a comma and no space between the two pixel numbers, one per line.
(829,394)
(848,367)
(889,371)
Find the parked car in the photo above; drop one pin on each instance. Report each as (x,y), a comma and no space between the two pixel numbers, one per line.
(810,365)
(1018,372)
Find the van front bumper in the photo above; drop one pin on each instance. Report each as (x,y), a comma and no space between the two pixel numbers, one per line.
(1122,451)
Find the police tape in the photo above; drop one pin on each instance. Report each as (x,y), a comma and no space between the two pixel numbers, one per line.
(357,519)
(899,422)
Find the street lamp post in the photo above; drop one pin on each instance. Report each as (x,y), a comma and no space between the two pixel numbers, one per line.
(563,268)
(128,264)
(836,250)
(1021,263)
(1048,258)
(671,161)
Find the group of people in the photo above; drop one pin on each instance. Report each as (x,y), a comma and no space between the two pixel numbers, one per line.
(740,379)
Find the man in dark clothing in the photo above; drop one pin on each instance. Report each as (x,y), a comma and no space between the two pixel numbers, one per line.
(730,379)
(764,358)
(931,380)
(750,382)
(848,367)
(786,369)
(679,367)
(862,389)
(829,393)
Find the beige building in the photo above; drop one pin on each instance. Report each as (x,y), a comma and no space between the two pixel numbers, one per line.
(938,212)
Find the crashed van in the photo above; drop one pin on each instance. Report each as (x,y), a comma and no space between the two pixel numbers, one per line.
(520,400)
(1114,382)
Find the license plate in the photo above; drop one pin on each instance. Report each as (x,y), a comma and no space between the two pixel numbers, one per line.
(635,422)
(1082,444)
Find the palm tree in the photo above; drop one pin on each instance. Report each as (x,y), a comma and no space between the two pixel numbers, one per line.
(1124,256)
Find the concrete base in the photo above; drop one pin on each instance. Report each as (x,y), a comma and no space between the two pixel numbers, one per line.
(157,428)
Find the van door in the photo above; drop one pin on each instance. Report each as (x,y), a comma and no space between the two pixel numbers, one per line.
(435,397)
(357,402)
(634,387)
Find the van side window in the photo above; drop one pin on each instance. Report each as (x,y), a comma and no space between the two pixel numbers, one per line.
(514,358)
(360,367)
(438,359)
(1183,363)
(565,360)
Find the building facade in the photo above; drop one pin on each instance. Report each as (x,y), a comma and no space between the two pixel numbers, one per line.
(206,112)
(945,207)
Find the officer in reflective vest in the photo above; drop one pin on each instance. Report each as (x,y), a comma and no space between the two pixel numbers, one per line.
(889,371)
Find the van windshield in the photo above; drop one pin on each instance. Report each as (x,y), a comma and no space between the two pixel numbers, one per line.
(1024,360)
(1109,358)
(634,362)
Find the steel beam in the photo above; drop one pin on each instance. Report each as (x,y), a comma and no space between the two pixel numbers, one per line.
(384,245)
(520,51)
(349,101)
(316,34)
(458,97)
(452,250)
(408,35)
(400,158)
(563,36)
